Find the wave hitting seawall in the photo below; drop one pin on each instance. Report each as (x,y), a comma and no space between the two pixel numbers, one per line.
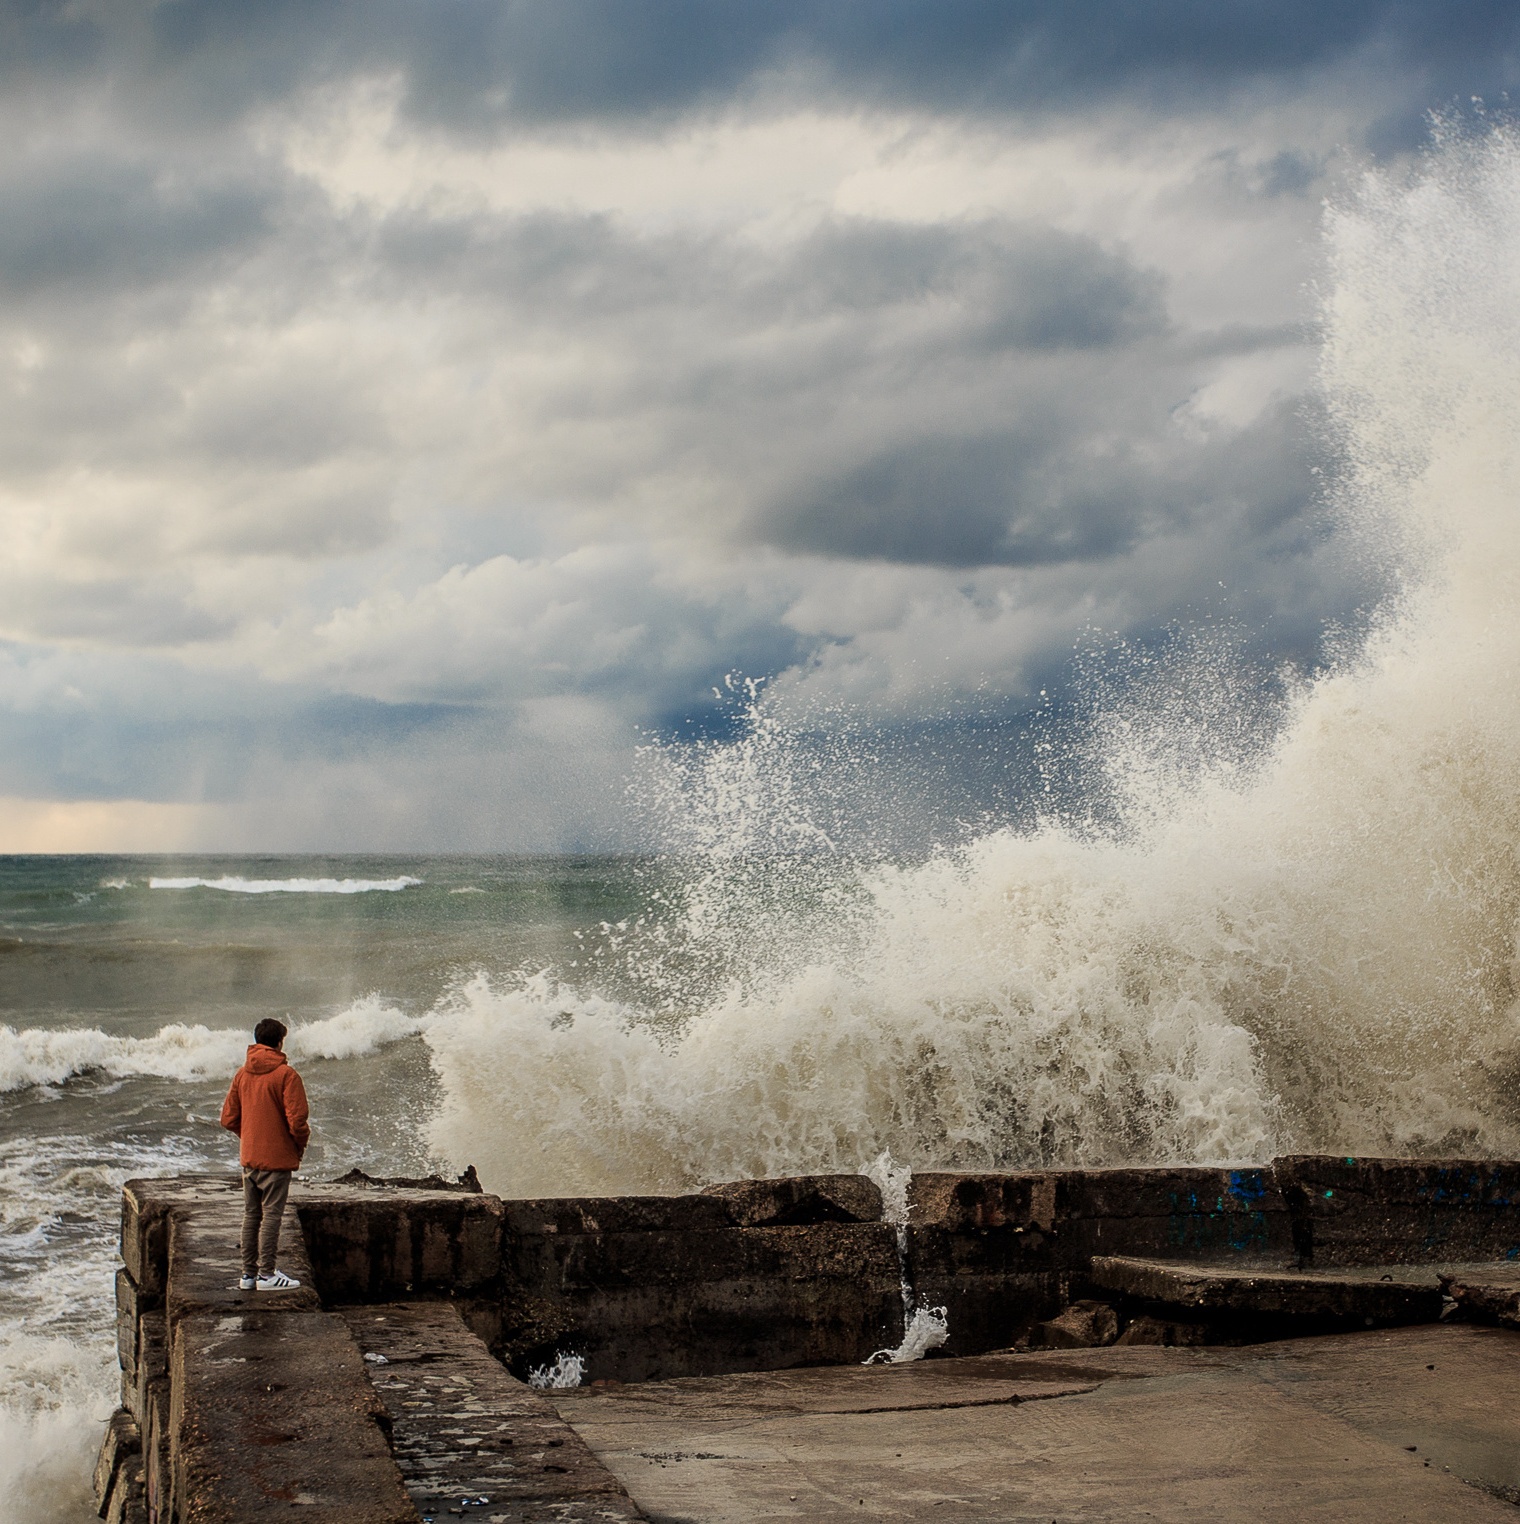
(1312,952)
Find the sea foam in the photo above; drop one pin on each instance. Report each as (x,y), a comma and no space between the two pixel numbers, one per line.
(1313,947)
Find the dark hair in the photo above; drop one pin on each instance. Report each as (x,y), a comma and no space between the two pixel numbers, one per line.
(269,1032)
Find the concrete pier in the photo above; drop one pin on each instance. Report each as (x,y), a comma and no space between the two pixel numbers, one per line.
(1110,1331)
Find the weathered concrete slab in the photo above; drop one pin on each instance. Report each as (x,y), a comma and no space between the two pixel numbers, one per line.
(800,1200)
(1270,1296)
(1444,1393)
(469,1438)
(645,1305)
(271,1409)
(1309,1430)
(1387,1211)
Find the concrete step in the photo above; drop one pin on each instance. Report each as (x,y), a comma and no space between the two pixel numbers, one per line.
(1381,1296)
(471,1440)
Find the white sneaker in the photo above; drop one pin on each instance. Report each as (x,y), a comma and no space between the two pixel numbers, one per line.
(277,1280)
(247,1282)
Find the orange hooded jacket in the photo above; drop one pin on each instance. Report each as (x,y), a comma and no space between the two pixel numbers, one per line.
(266,1108)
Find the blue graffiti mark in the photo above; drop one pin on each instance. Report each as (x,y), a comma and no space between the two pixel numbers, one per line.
(1231,1218)
(1247,1185)
(1329,1194)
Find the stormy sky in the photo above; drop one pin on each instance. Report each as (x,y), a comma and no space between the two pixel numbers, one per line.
(411,408)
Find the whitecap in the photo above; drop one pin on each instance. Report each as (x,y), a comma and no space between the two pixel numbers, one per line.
(233,885)
(46,1056)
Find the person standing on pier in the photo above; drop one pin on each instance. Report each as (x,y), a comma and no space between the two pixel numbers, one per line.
(266,1108)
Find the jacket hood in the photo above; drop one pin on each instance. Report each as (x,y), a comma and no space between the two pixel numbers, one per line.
(262,1060)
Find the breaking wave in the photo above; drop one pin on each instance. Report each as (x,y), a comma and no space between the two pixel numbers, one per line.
(231,885)
(1312,946)
(55,1055)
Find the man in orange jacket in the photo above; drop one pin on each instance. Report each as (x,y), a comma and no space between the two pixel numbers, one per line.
(266,1108)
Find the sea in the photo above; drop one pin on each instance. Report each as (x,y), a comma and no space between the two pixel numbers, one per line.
(1252,929)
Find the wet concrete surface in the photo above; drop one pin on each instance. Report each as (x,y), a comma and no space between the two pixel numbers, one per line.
(472,1441)
(1415,1424)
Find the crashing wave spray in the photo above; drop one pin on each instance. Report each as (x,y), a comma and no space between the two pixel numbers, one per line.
(1315,951)
(924,1328)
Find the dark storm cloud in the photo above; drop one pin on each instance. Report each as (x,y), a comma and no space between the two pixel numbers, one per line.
(473,64)
(1052,491)
(83,223)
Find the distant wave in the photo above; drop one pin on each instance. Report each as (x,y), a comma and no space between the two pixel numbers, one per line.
(288,885)
(53,1056)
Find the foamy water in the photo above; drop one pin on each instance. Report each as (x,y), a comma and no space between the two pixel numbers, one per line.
(1312,947)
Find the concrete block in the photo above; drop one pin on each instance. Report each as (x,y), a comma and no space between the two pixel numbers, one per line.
(145,1208)
(271,1409)
(123,1442)
(144,1238)
(127,1504)
(371,1244)
(992,1310)
(152,1362)
(1178,1213)
(800,1200)
(1060,1218)
(647,1304)
(1350,1211)
(1164,1332)
(973,1203)
(158,1481)
(128,1311)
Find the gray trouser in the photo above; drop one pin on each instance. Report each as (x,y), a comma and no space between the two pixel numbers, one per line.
(264,1193)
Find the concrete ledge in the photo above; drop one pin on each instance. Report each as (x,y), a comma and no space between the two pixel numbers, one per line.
(1322,1298)
(373,1242)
